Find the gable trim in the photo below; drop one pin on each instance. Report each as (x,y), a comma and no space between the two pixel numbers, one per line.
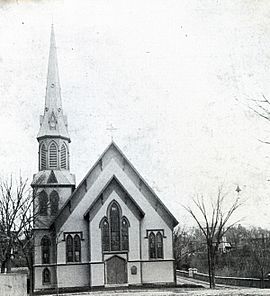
(100,196)
(126,162)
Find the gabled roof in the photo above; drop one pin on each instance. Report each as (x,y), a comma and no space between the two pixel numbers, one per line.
(47,176)
(75,197)
(112,181)
(52,178)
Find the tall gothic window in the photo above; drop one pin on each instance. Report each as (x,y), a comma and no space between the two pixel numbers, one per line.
(77,248)
(53,156)
(64,157)
(73,248)
(152,245)
(54,201)
(43,157)
(115,227)
(105,235)
(155,240)
(45,249)
(69,248)
(124,234)
(46,276)
(159,245)
(114,230)
(43,203)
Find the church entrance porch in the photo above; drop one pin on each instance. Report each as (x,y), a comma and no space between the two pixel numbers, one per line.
(116,271)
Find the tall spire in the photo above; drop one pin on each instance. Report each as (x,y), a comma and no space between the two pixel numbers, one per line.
(53,92)
(53,122)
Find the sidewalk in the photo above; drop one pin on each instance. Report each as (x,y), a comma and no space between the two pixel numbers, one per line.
(179,291)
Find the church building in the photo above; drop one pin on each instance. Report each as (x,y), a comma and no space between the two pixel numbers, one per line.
(110,230)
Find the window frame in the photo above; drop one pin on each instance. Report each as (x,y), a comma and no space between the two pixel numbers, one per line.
(44,282)
(158,250)
(53,143)
(69,248)
(115,227)
(43,203)
(54,202)
(108,220)
(152,240)
(73,247)
(77,240)
(124,231)
(45,249)
(42,157)
(105,240)
(64,153)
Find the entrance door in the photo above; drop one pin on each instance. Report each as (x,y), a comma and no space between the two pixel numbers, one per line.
(116,270)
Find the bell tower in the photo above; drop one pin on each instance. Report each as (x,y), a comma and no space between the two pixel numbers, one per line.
(53,183)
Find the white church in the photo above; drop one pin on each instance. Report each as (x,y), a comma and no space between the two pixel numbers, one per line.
(111,230)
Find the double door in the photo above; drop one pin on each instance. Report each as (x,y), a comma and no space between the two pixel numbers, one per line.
(116,270)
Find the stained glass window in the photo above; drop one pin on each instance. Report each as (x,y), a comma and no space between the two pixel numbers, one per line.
(115,227)
(69,248)
(159,245)
(124,232)
(77,248)
(114,230)
(105,236)
(152,246)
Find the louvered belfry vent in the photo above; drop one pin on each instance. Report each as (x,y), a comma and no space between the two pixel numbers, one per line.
(53,156)
(63,157)
(43,158)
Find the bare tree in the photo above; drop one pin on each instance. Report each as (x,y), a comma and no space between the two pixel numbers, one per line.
(261,107)
(183,245)
(26,245)
(259,245)
(17,217)
(15,214)
(214,222)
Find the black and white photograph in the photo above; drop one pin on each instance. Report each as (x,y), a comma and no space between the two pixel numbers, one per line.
(134,147)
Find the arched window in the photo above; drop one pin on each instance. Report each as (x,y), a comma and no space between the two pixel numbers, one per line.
(43,157)
(64,157)
(46,276)
(114,230)
(159,245)
(152,246)
(54,201)
(53,156)
(43,203)
(45,249)
(124,234)
(115,227)
(105,235)
(77,248)
(69,248)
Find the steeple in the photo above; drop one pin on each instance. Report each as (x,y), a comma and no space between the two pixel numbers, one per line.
(53,182)
(53,123)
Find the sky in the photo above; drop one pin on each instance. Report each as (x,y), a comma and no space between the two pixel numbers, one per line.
(172,77)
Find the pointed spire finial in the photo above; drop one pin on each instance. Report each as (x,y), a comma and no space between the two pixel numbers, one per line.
(53,122)
(53,91)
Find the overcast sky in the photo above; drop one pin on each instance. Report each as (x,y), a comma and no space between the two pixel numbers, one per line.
(166,74)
